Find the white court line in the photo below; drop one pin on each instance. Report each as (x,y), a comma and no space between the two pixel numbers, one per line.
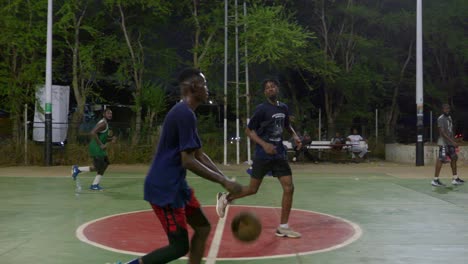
(214,249)
(216,242)
(81,236)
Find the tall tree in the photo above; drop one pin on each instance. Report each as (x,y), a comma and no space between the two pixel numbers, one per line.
(136,20)
(276,41)
(80,31)
(22,64)
(397,59)
(154,98)
(446,48)
(206,17)
(344,37)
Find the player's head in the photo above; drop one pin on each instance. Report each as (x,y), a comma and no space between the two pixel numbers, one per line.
(192,82)
(107,114)
(271,89)
(446,109)
(355,132)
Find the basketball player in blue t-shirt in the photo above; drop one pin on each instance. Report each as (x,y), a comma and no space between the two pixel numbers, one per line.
(266,130)
(166,188)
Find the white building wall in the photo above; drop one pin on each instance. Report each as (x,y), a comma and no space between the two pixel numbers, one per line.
(407,153)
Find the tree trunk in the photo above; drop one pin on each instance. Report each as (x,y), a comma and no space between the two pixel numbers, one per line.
(334,97)
(391,116)
(78,88)
(297,110)
(197,34)
(16,129)
(333,102)
(198,58)
(137,72)
(79,95)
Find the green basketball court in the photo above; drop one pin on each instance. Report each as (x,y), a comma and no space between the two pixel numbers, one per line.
(400,217)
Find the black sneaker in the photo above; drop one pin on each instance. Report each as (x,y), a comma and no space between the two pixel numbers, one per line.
(437,183)
(457,181)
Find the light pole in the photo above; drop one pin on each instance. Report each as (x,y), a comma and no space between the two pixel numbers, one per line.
(237,81)
(48,90)
(419,87)
(225,78)
(247,87)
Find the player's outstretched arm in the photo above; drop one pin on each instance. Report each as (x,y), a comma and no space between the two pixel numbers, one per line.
(190,162)
(206,160)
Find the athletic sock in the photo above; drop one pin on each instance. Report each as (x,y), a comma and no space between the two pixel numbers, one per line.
(284,225)
(455,177)
(97,179)
(84,168)
(436,178)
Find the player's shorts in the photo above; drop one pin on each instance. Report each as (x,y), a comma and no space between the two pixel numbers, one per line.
(278,168)
(449,151)
(172,219)
(100,164)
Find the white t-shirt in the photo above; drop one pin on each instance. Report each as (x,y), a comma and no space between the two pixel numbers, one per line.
(355,139)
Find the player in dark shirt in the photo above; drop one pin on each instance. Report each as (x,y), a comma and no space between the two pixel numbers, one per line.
(266,130)
(166,188)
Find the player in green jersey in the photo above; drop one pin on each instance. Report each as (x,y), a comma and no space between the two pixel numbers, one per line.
(100,136)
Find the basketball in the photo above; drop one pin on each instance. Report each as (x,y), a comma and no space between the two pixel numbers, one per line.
(246,227)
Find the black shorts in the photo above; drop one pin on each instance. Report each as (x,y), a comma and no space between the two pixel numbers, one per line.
(100,164)
(278,168)
(449,151)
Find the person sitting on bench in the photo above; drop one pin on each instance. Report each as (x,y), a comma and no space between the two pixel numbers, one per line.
(338,142)
(357,147)
(306,140)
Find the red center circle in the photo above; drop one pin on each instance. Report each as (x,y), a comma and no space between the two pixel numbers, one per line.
(138,233)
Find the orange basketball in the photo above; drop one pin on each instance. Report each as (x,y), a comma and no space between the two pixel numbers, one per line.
(246,226)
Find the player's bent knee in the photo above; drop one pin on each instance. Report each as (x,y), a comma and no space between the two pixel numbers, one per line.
(251,191)
(203,231)
(181,248)
(178,247)
(288,188)
(180,244)
(198,221)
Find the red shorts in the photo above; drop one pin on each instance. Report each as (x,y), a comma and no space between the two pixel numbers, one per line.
(171,218)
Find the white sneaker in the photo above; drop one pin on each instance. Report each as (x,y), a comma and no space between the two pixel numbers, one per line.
(437,183)
(221,203)
(287,232)
(457,182)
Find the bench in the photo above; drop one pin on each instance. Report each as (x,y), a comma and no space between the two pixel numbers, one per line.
(333,151)
(325,147)
(318,146)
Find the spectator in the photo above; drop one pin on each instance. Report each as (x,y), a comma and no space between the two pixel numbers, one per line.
(337,141)
(357,147)
(306,140)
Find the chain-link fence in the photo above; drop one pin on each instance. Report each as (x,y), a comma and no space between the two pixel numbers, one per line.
(212,134)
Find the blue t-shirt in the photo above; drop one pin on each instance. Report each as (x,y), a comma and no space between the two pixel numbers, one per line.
(165,182)
(269,121)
